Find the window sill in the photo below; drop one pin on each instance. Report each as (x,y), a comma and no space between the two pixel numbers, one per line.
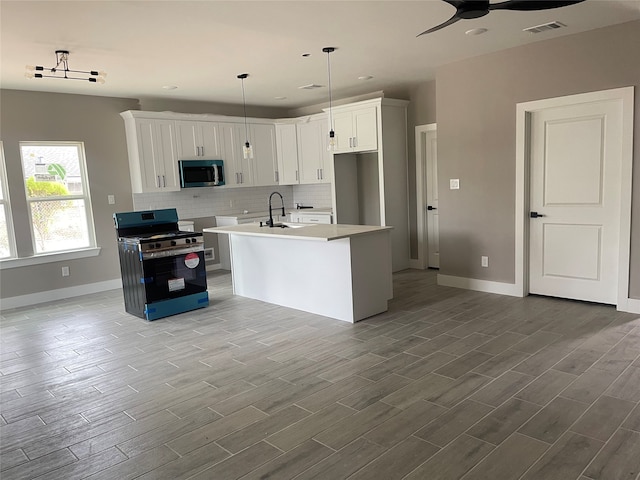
(49,258)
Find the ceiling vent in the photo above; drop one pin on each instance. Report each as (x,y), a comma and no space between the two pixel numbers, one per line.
(545,27)
(311,86)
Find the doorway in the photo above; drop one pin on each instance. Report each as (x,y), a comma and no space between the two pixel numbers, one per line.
(427,220)
(573,196)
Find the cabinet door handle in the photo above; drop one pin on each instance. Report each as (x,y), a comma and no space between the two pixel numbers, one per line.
(355,142)
(164,181)
(241,177)
(276,176)
(158,181)
(321,174)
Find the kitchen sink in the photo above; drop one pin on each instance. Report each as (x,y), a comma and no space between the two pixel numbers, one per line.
(297,225)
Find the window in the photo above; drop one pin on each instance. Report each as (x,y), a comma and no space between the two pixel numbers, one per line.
(7,244)
(57,194)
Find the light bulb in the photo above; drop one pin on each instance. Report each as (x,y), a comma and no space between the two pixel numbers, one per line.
(247,151)
(102,73)
(100,80)
(30,68)
(28,74)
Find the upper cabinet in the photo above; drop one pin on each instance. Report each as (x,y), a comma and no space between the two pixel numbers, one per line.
(237,169)
(153,158)
(198,140)
(287,150)
(356,128)
(262,169)
(263,139)
(314,159)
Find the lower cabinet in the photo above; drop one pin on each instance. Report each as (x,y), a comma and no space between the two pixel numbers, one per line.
(311,217)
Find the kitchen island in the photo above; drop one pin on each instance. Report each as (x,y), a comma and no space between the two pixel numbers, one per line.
(339,271)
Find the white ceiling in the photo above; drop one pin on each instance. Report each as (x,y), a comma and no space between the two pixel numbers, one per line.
(201,46)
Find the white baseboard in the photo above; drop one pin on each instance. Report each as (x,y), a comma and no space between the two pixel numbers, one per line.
(632,305)
(213,267)
(59,294)
(487,286)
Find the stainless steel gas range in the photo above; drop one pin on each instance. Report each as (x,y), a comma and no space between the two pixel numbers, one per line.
(163,268)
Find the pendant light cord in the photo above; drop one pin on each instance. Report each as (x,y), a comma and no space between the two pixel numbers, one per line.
(244,107)
(330,98)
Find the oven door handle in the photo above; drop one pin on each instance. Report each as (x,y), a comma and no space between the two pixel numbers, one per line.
(172,252)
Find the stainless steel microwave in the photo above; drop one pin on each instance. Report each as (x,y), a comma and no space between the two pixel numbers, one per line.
(201,173)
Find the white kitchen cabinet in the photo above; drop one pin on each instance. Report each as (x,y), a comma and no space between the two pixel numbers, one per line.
(198,140)
(261,170)
(237,169)
(287,150)
(265,159)
(356,129)
(314,160)
(324,218)
(371,181)
(153,158)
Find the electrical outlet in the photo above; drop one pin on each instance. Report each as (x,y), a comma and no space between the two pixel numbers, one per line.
(111,199)
(484,261)
(454,184)
(65,271)
(209,254)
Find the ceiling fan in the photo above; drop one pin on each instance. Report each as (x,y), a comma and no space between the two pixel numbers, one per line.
(469,9)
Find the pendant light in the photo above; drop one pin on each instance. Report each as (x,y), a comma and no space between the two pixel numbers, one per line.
(62,70)
(332,140)
(247,150)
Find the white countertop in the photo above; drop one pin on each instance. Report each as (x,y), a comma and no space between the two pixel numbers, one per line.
(300,231)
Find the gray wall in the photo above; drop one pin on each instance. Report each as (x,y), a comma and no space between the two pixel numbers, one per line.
(421,111)
(183,106)
(55,117)
(476,103)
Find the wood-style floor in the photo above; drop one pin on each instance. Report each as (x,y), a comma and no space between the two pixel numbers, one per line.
(448,384)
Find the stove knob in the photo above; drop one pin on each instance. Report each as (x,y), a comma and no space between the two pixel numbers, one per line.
(193,240)
(173,243)
(187,240)
(158,245)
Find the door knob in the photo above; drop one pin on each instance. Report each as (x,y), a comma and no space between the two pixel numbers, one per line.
(429,207)
(536,215)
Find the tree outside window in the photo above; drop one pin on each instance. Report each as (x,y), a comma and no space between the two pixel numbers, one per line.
(57,194)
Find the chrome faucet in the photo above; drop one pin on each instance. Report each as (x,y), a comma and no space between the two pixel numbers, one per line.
(270,221)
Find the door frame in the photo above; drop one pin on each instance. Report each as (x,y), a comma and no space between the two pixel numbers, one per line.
(523,124)
(421,194)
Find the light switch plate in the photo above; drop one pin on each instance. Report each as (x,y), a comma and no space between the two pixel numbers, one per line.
(111,199)
(454,184)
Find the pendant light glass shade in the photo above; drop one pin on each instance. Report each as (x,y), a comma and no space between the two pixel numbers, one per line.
(332,139)
(247,149)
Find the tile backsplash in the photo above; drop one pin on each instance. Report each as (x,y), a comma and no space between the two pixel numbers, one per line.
(208,202)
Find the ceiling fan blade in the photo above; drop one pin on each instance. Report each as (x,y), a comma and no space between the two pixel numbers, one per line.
(531,5)
(452,20)
(455,3)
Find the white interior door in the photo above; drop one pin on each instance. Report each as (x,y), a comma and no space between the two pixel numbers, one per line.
(431,208)
(575,177)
